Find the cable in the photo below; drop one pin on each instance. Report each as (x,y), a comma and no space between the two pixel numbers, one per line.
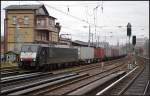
(85,4)
(82,20)
(72,29)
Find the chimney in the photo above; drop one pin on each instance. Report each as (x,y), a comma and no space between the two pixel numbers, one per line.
(58,26)
(57,23)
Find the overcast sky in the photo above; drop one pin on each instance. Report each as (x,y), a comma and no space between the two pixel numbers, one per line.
(114,14)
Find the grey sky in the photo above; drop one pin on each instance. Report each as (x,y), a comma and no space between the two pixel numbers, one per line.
(115,13)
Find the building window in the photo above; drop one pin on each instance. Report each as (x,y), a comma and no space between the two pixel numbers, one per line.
(14,18)
(26,20)
(41,22)
(50,22)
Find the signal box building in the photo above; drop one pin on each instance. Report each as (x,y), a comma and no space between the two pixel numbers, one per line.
(29,24)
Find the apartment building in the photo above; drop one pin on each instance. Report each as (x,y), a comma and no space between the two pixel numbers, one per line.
(29,24)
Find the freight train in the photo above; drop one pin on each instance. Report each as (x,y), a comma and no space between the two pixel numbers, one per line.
(42,57)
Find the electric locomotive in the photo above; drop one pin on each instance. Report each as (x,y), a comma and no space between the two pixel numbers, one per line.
(44,56)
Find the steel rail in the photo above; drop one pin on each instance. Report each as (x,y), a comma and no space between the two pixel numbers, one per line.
(129,84)
(51,89)
(116,82)
(146,88)
(25,91)
(7,91)
(94,85)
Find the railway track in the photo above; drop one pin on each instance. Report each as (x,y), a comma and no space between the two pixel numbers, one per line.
(133,83)
(53,86)
(13,87)
(11,71)
(68,87)
(83,68)
(139,86)
(30,82)
(10,79)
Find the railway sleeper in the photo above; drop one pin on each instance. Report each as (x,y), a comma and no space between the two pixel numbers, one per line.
(44,85)
(90,87)
(7,91)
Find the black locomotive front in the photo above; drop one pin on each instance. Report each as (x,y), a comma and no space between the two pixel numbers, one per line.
(28,56)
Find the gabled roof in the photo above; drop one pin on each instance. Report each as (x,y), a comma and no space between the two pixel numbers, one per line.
(81,43)
(46,15)
(26,7)
(23,7)
(52,17)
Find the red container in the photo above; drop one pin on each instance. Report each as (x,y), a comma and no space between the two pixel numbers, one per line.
(99,52)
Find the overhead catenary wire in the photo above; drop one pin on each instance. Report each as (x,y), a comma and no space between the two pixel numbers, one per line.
(82,20)
(66,14)
(77,18)
(74,16)
(72,29)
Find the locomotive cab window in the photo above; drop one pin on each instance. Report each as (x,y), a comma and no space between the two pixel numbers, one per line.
(26,48)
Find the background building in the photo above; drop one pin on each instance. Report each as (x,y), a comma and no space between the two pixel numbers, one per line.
(146,48)
(142,46)
(26,24)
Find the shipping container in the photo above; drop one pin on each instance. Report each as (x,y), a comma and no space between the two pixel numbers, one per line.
(85,53)
(122,51)
(115,52)
(108,52)
(99,53)
(112,52)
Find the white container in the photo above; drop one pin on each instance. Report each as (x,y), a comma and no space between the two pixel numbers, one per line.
(108,52)
(85,53)
(120,51)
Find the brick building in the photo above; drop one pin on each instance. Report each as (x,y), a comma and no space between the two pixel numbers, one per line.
(28,24)
(2,44)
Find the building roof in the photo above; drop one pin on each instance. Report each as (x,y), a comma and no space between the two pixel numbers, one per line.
(80,43)
(46,15)
(26,7)
(52,17)
(23,7)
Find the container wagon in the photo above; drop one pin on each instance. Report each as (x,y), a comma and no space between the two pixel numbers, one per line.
(108,54)
(98,54)
(85,54)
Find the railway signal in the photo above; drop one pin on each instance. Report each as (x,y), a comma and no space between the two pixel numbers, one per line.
(134,40)
(129,29)
(129,32)
(133,43)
